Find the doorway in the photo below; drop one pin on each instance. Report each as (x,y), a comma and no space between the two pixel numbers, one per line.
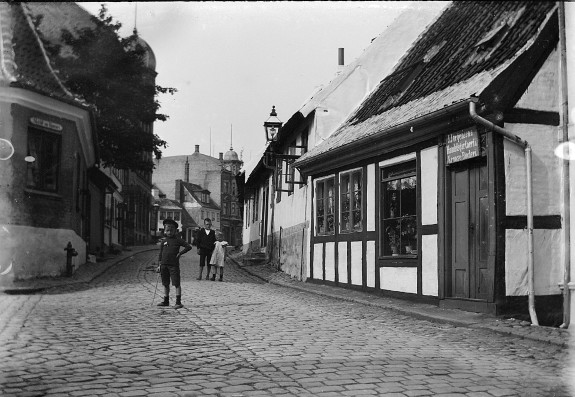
(264,219)
(471,274)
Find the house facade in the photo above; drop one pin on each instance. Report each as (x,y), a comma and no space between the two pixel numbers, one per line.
(276,196)
(50,145)
(445,178)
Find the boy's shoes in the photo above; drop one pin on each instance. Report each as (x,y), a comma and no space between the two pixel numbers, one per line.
(178,305)
(214,277)
(162,304)
(208,277)
(199,278)
(221,278)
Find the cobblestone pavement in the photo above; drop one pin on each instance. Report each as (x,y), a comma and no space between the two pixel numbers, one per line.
(246,337)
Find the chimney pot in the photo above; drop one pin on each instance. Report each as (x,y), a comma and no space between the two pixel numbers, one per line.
(221,156)
(340,60)
(197,148)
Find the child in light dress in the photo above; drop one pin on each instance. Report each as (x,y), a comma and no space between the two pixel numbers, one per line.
(219,256)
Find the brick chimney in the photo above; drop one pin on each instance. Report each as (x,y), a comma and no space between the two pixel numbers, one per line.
(340,60)
(221,156)
(187,171)
(197,148)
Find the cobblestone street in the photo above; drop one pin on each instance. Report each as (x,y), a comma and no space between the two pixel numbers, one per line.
(244,337)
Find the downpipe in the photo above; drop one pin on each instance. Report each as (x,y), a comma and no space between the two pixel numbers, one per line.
(566,176)
(527,148)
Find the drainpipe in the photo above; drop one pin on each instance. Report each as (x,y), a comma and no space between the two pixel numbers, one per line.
(566,188)
(527,148)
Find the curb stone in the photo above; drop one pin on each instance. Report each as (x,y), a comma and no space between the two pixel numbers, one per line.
(505,327)
(36,285)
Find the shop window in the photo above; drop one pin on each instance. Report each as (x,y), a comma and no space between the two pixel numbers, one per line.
(325,206)
(350,201)
(399,210)
(42,173)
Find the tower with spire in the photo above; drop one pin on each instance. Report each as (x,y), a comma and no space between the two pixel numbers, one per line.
(231,161)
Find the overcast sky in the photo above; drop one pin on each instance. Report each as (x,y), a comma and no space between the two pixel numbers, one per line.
(231,61)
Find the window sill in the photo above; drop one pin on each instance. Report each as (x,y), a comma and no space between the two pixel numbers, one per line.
(398,261)
(350,231)
(43,193)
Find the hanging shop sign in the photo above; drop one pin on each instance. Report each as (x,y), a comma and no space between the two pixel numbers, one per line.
(462,145)
(46,124)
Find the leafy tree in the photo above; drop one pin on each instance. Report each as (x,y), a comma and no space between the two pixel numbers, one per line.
(109,73)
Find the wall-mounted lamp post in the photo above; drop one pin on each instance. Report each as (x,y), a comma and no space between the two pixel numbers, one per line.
(272,126)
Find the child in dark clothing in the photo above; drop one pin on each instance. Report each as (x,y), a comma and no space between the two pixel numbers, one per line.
(169,260)
(205,241)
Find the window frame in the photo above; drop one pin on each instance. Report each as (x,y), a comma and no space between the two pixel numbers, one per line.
(350,174)
(41,159)
(408,258)
(324,181)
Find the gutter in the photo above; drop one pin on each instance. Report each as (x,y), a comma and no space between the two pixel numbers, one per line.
(529,180)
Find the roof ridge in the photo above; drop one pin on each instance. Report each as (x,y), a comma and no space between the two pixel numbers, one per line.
(8,71)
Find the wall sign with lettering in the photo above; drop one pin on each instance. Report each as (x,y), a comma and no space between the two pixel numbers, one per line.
(462,145)
(46,124)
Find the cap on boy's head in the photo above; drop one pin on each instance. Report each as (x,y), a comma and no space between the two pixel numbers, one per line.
(170,222)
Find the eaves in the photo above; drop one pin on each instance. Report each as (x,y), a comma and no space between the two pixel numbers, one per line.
(406,134)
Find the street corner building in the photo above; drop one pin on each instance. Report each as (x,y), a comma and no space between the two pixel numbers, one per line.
(52,189)
(443,177)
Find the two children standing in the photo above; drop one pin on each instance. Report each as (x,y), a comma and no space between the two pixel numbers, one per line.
(211,249)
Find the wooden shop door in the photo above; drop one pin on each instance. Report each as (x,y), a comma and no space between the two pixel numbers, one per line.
(471,277)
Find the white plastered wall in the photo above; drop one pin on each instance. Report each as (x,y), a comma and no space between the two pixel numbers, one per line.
(330,261)
(356,263)
(547,185)
(428,249)
(400,279)
(342,262)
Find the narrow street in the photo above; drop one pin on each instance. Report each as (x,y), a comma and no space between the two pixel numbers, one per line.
(244,337)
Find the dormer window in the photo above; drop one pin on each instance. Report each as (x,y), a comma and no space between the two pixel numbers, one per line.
(491,40)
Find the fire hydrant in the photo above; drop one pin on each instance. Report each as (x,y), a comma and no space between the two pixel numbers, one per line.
(70,252)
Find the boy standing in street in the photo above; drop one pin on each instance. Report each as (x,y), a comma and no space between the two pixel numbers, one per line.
(169,260)
(205,242)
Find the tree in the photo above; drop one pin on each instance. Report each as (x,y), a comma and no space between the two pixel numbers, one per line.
(109,73)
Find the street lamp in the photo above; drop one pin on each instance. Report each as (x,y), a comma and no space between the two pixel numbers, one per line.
(272,126)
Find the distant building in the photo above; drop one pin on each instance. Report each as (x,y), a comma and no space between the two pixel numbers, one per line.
(171,209)
(200,175)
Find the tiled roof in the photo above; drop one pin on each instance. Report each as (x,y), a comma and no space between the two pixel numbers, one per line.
(32,69)
(458,56)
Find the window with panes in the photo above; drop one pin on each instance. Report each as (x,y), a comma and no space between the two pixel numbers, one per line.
(42,173)
(350,188)
(325,206)
(399,210)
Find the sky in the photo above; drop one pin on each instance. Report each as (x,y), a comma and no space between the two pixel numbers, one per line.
(232,61)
